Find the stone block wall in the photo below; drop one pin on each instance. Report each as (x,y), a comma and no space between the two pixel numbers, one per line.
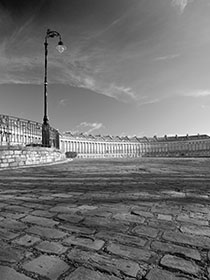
(11,157)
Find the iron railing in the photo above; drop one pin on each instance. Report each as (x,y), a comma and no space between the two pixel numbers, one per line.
(17,131)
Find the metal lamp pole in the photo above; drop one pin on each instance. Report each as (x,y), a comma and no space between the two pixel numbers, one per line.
(61,48)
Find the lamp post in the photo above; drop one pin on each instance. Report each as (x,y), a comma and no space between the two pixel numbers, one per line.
(61,48)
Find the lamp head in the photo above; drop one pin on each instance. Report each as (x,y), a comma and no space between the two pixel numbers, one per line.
(60,47)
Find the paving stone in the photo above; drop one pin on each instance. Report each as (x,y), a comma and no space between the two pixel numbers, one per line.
(27,198)
(47,232)
(10,254)
(16,208)
(12,224)
(87,207)
(42,213)
(82,273)
(88,242)
(45,197)
(51,247)
(164,217)
(197,230)
(186,218)
(117,207)
(77,229)
(208,269)
(174,193)
(166,209)
(64,209)
(141,207)
(36,205)
(71,218)
(14,202)
(199,241)
(7,235)
(14,216)
(26,240)
(2,205)
(200,216)
(126,217)
(194,194)
(141,203)
(161,224)
(62,195)
(97,212)
(122,238)
(130,252)
(180,264)
(105,262)
(146,230)
(45,222)
(171,248)
(158,274)
(197,208)
(6,197)
(139,212)
(49,266)
(8,273)
(98,222)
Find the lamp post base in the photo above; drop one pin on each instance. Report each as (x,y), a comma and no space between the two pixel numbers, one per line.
(46,135)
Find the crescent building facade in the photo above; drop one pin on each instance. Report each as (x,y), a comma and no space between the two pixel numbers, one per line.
(16,131)
(89,146)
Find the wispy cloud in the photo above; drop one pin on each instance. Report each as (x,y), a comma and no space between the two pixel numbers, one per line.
(167,57)
(76,70)
(62,102)
(101,32)
(80,77)
(198,93)
(119,92)
(181,4)
(87,127)
(87,64)
(146,100)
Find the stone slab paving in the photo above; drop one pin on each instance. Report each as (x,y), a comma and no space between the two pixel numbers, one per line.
(118,219)
(8,273)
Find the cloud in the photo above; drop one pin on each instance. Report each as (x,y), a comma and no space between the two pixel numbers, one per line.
(181,4)
(198,93)
(62,102)
(120,92)
(80,77)
(167,57)
(101,32)
(86,63)
(146,100)
(89,127)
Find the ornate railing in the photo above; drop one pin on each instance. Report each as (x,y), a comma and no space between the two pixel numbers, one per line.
(17,131)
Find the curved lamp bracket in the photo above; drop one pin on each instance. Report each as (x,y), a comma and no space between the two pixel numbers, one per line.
(52,34)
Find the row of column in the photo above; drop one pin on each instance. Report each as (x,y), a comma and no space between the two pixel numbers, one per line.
(14,139)
(99,147)
(85,147)
(180,146)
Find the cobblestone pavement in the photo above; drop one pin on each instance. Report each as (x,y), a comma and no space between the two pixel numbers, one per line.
(106,220)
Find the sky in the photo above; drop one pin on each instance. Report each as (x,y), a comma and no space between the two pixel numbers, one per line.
(131,67)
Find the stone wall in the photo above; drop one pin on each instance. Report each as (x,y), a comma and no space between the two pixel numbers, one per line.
(12,156)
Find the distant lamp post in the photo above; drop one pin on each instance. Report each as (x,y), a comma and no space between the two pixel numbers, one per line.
(61,48)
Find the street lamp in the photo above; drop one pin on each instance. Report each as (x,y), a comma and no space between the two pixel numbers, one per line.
(61,48)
